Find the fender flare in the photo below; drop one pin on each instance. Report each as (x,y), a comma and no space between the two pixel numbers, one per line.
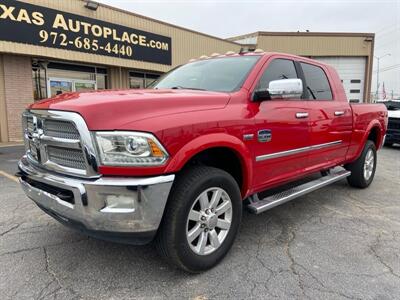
(371,125)
(215,140)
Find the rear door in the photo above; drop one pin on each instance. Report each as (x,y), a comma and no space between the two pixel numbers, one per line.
(330,119)
(281,133)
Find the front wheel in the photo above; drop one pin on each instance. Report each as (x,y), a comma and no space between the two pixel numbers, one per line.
(363,169)
(201,219)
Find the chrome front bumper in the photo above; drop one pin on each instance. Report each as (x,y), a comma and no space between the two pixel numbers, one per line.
(89,207)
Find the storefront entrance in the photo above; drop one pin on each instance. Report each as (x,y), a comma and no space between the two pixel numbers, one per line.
(57,86)
(55,78)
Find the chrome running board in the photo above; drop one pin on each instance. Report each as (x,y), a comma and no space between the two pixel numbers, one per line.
(260,205)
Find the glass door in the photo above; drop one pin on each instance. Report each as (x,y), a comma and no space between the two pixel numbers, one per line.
(82,86)
(58,86)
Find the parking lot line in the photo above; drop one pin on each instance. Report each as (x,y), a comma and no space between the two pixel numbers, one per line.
(9,176)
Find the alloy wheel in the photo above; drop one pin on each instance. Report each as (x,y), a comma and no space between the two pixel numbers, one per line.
(209,221)
(369,164)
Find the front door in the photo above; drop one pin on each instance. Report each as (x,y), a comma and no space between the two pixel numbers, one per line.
(282,155)
(285,155)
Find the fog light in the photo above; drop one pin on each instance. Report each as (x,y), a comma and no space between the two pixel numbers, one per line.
(119,204)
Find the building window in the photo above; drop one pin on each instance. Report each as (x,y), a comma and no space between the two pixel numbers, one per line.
(355,81)
(136,80)
(55,78)
(355,91)
(101,80)
(139,80)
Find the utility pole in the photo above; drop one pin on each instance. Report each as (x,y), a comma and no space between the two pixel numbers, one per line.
(378,58)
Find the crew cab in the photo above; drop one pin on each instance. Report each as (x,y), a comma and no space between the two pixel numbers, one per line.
(175,163)
(393,131)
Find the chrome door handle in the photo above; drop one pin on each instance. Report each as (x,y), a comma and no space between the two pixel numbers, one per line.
(301,115)
(339,113)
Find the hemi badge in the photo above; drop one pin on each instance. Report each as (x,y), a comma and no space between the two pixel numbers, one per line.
(248,137)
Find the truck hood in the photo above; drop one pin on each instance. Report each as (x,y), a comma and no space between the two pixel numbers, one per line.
(110,110)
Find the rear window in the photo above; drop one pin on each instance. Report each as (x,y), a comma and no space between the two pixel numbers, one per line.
(317,83)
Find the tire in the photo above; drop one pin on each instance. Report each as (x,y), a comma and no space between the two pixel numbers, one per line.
(177,227)
(362,173)
(389,144)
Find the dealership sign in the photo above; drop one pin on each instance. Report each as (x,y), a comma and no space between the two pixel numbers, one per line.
(36,25)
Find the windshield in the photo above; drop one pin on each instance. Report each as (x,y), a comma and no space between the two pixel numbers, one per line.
(218,74)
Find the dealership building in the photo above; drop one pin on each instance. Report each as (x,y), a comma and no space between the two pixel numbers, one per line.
(51,47)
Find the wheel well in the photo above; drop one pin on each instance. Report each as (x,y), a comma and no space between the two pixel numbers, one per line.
(374,136)
(221,158)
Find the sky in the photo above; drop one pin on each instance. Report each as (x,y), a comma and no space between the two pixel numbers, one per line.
(227,18)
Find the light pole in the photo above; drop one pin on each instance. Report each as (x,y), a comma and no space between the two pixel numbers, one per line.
(378,58)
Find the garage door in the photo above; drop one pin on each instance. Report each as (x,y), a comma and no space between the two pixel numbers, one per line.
(352,73)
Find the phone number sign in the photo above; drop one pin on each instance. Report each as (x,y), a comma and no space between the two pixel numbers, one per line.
(36,25)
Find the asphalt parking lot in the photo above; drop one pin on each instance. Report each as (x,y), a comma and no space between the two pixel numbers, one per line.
(336,243)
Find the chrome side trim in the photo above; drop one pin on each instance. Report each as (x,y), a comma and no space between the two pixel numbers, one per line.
(296,151)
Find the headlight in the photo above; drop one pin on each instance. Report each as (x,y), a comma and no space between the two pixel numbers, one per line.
(125,148)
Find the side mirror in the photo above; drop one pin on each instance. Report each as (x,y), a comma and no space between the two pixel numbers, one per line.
(281,89)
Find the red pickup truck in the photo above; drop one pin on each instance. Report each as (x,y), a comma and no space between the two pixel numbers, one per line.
(175,163)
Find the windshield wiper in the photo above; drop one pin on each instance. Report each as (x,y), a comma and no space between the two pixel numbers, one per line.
(179,87)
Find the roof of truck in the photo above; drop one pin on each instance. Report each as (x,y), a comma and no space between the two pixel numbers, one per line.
(258,52)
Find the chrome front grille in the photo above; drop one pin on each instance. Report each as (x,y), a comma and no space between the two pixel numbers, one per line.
(70,158)
(33,151)
(60,129)
(29,121)
(59,141)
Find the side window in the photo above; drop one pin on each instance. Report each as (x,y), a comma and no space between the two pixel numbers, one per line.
(277,69)
(317,83)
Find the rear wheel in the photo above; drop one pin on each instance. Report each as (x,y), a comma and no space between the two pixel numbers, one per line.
(201,219)
(363,169)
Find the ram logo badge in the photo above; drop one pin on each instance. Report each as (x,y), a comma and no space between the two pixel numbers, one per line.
(264,135)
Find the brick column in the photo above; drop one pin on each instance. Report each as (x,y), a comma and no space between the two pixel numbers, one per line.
(18,85)
(3,106)
(118,78)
